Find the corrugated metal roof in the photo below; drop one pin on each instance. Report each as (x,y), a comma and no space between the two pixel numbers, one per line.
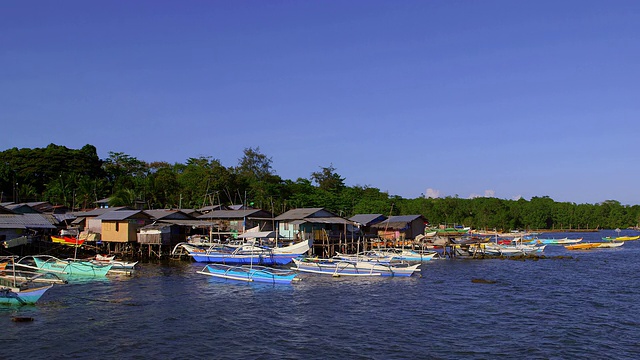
(159,214)
(156,226)
(323,220)
(100,211)
(78,221)
(367,219)
(196,223)
(64,217)
(236,214)
(4,210)
(396,222)
(303,213)
(403,218)
(24,221)
(22,209)
(212,208)
(118,215)
(51,219)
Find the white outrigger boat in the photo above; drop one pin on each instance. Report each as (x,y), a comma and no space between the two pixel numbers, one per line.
(339,267)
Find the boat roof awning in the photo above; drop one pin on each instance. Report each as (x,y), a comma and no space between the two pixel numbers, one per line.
(257,235)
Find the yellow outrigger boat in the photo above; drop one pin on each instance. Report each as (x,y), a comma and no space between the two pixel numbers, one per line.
(582,246)
(621,238)
(594,245)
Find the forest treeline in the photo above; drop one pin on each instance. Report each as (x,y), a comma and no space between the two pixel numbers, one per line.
(78,178)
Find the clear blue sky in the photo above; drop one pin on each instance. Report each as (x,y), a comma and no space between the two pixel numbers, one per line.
(467,98)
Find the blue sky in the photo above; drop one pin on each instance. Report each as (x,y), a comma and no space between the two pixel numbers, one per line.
(451,98)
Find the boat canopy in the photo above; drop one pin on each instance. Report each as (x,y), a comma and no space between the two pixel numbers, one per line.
(257,235)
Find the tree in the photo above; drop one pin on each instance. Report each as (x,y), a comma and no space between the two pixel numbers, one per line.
(254,164)
(121,170)
(327,179)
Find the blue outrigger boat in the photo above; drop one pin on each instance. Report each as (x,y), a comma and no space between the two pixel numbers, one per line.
(250,273)
(251,254)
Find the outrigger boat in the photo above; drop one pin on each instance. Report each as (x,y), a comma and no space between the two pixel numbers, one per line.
(69,266)
(563,241)
(252,254)
(67,240)
(250,273)
(388,255)
(621,238)
(338,267)
(611,244)
(14,292)
(594,245)
(115,264)
(583,246)
(407,254)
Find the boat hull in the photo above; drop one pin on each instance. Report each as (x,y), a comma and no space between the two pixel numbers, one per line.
(14,296)
(243,259)
(67,240)
(71,267)
(563,241)
(349,268)
(249,273)
(621,238)
(594,245)
(251,255)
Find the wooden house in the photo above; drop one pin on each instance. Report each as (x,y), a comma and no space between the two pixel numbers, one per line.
(400,228)
(90,221)
(328,231)
(122,226)
(230,223)
(364,223)
(19,229)
(169,227)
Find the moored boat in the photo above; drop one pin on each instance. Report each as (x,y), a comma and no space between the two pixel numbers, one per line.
(611,244)
(337,267)
(400,254)
(621,238)
(583,246)
(370,256)
(67,240)
(563,241)
(70,266)
(250,273)
(251,254)
(115,264)
(17,295)
(14,291)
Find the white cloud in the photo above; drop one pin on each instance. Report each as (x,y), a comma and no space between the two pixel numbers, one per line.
(517,197)
(432,193)
(490,193)
(473,196)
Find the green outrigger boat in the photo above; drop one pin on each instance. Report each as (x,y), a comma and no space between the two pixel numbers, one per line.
(14,291)
(70,266)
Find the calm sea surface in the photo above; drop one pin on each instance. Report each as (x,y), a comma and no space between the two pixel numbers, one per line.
(586,306)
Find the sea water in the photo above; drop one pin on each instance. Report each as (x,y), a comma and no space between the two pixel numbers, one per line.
(573,304)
